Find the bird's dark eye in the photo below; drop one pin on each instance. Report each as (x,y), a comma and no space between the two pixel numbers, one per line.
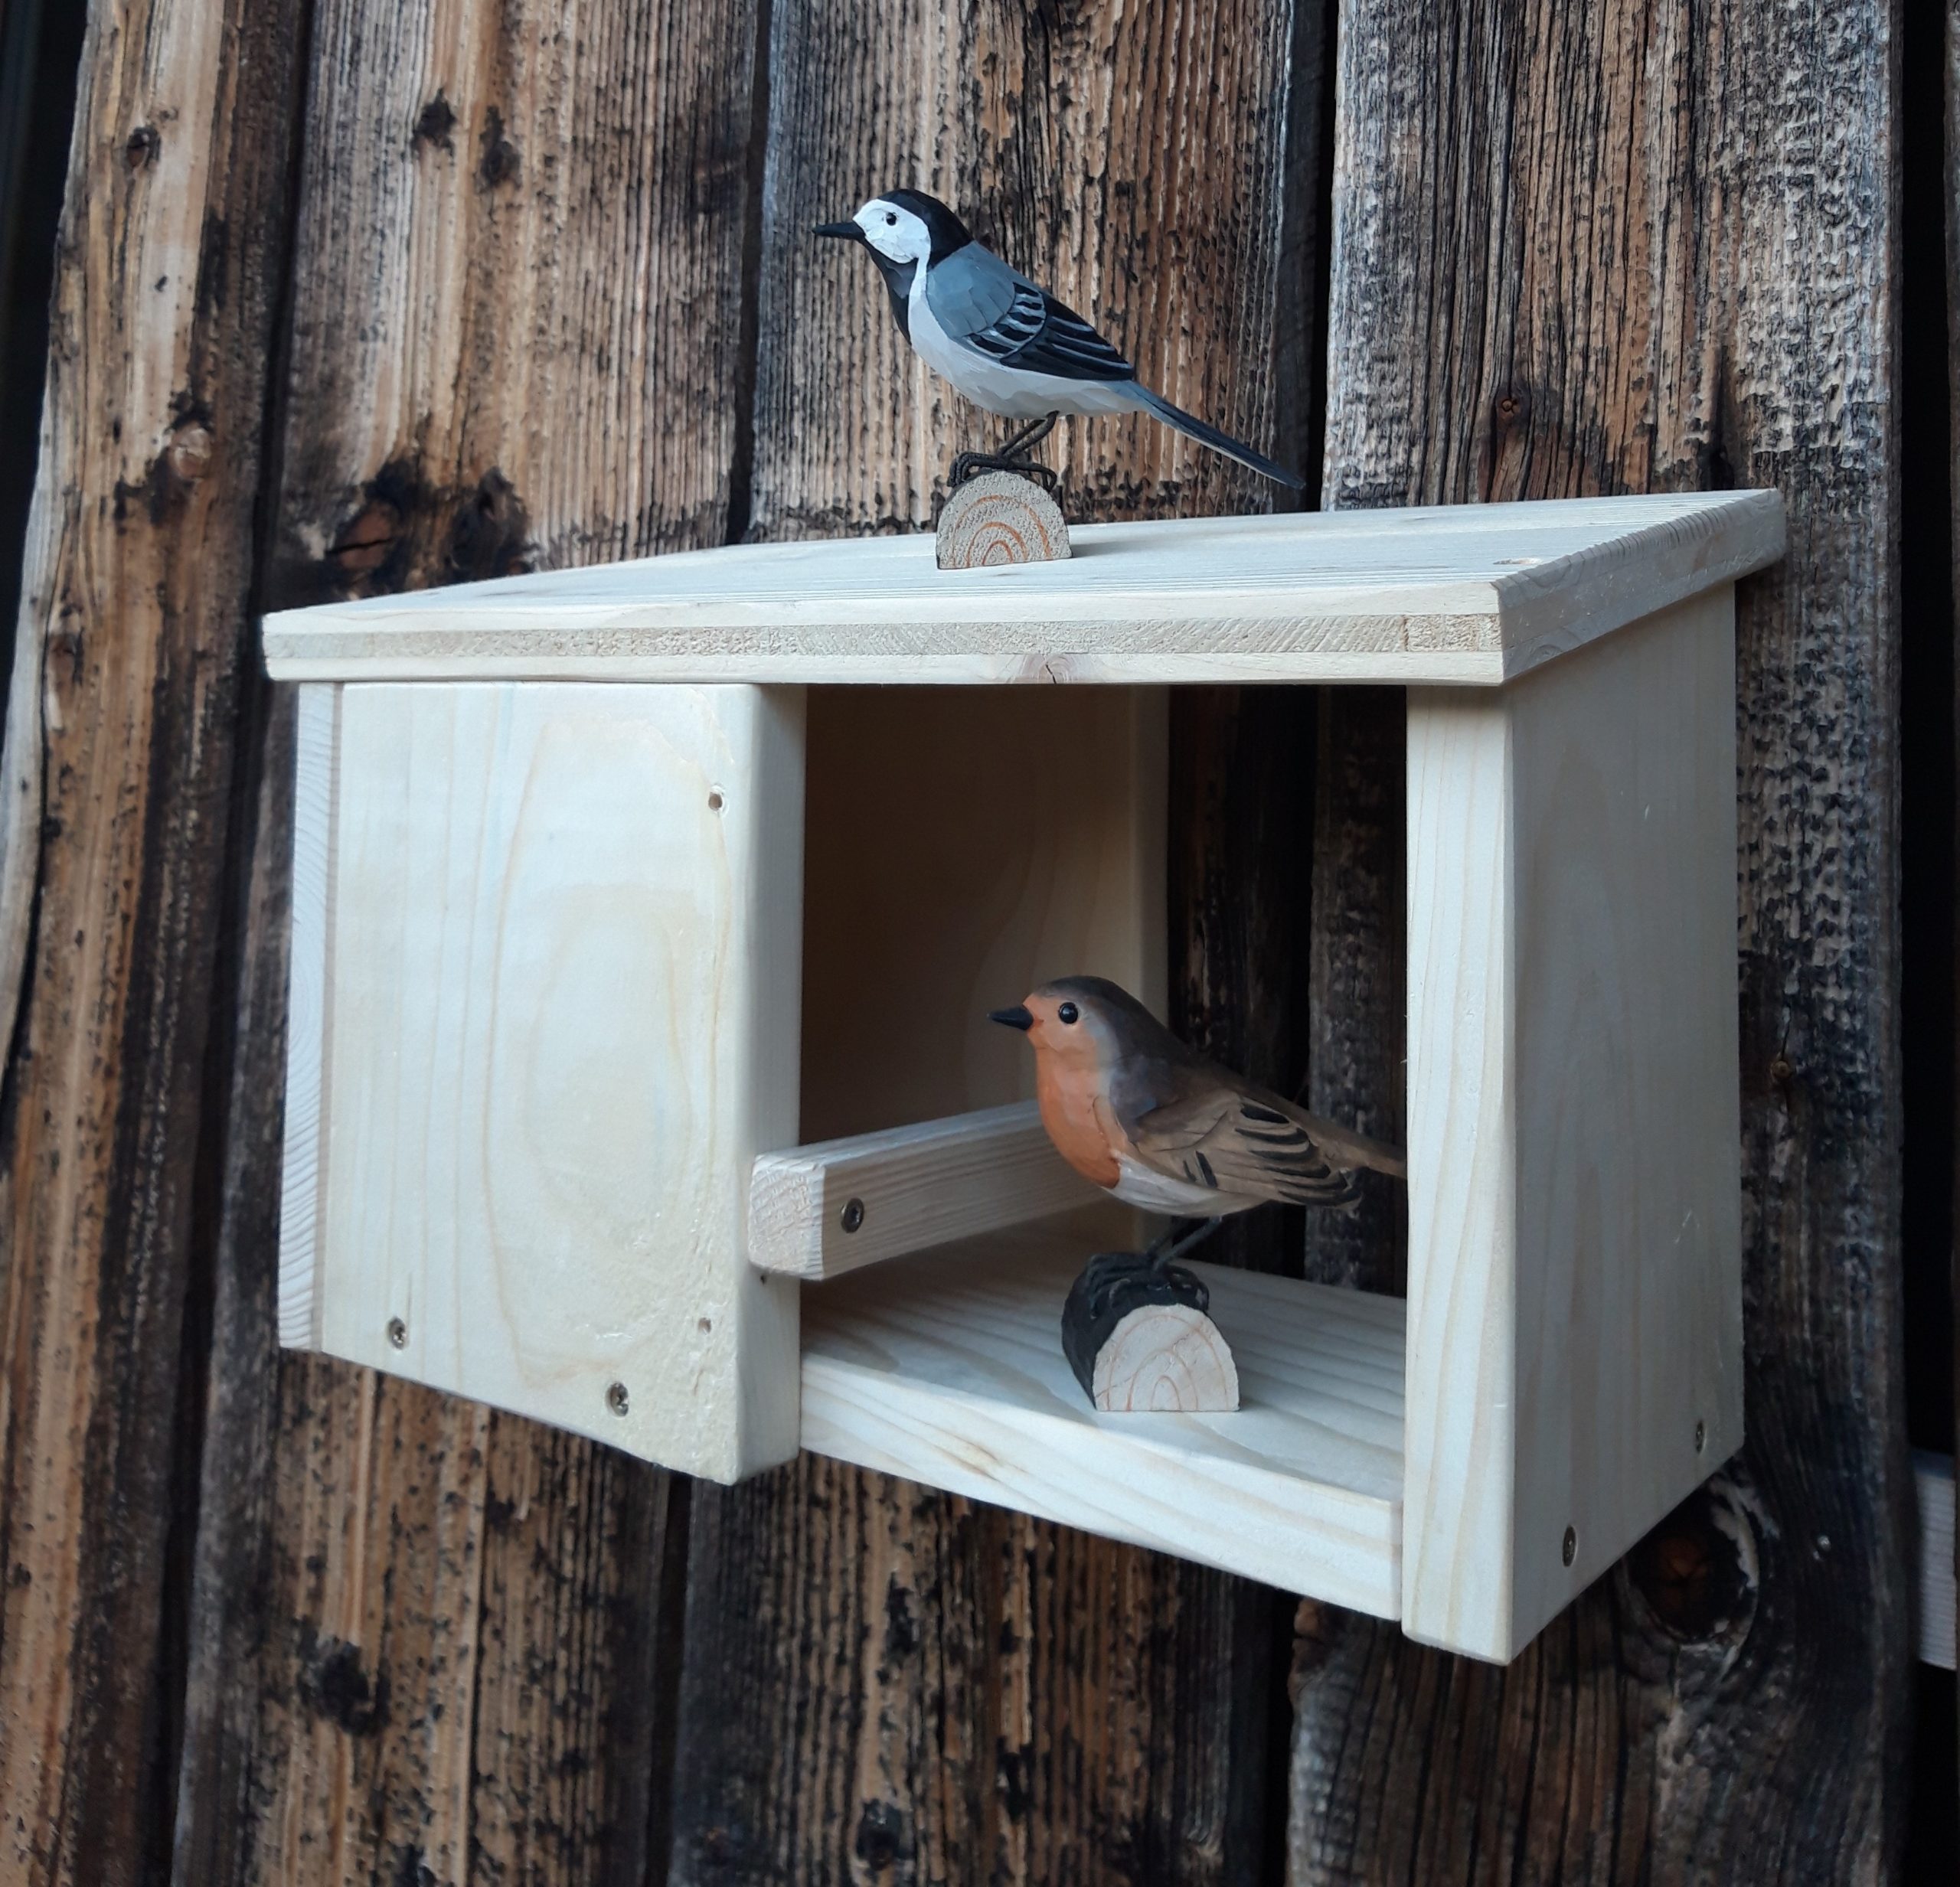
(890,217)
(1068,1013)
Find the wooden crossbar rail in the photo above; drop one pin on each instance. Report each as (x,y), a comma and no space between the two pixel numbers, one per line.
(819,1211)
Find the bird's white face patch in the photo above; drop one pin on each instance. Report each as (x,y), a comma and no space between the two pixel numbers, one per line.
(893,231)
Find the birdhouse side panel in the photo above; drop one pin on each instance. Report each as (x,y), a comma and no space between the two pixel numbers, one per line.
(1575,1343)
(561,1019)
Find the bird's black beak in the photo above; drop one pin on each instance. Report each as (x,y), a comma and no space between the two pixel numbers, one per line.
(1017,1017)
(847,232)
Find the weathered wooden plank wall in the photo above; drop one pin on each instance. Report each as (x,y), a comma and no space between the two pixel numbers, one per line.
(381,296)
(429,1636)
(122,736)
(1619,248)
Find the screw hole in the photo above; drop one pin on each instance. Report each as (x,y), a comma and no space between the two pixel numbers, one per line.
(854,1215)
(397,1333)
(1700,1436)
(714,802)
(704,1324)
(1570,1550)
(616,1398)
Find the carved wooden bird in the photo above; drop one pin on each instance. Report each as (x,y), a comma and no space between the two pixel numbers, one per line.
(1129,1106)
(1005,341)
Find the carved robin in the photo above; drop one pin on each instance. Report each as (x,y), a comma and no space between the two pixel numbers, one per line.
(1129,1106)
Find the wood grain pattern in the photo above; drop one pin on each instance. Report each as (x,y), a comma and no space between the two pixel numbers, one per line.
(563,972)
(1460,594)
(946,1368)
(504,216)
(911,1187)
(947,1692)
(121,738)
(998,518)
(1624,249)
(315,799)
(962,847)
(1575,1342)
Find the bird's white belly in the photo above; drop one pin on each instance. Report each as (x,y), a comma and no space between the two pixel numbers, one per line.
(1011,391)
(1159,1192)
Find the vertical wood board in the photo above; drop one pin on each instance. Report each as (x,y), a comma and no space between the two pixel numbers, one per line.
(122,740)
(1575,1328)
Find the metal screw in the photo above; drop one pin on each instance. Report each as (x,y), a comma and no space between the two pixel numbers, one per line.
(714,802)
(853,1214)
(1570,1550)
(397,1333)
(616,1398)
(1700,1436)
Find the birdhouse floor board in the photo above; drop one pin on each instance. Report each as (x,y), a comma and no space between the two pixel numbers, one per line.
(947,1368)
(1471,594)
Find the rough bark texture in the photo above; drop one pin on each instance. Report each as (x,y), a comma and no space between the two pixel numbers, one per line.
(1624,248)
(429,1638)
(121,740)
(937,1692)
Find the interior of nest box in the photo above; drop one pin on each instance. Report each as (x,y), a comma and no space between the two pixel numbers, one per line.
(962,846)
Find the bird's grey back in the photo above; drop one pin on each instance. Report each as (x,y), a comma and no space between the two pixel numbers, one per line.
(972,289)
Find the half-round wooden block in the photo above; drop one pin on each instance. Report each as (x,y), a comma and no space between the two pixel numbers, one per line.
(1138,1338)
(999,518)
(1165,1357)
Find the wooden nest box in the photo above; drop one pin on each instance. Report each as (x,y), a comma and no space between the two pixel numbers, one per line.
(645,922)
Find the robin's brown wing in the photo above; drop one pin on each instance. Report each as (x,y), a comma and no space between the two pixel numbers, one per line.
(1215,1130)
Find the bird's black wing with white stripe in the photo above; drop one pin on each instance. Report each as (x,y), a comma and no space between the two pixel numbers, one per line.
(983,304)
(1039,335)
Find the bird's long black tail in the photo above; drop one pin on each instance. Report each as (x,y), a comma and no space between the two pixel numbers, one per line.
(1193,427)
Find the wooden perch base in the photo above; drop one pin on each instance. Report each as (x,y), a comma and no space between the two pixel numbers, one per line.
(1138,1339)
(999,518)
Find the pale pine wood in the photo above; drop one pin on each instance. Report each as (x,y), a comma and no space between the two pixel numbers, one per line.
(316,746)
(561,1020)
(998,518)
(1165,1358)
(948,1369)
(1933,1475)
(916,1186)
(963,846)
(1469,595)
(1574,1270)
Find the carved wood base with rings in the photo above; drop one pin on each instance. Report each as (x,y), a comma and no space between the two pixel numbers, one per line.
(1002,507)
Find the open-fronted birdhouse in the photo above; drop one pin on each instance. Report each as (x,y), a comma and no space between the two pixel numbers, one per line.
(646,920)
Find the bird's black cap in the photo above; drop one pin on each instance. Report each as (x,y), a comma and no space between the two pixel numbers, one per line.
(947,231)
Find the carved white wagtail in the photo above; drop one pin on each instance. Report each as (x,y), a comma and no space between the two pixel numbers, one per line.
(1005,342)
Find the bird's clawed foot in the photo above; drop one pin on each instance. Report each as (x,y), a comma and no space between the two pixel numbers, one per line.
(1013,457)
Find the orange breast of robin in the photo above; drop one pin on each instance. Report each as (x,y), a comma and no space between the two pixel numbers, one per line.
(1068,1096)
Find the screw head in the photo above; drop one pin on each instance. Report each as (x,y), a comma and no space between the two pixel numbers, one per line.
(853,1214)
(1568,1550)
(397,1333)
(714,802)
(616,1399)
(1700,1436)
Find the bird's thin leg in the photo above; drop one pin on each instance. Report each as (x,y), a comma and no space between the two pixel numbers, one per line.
(1012,457)
(1172,1246)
